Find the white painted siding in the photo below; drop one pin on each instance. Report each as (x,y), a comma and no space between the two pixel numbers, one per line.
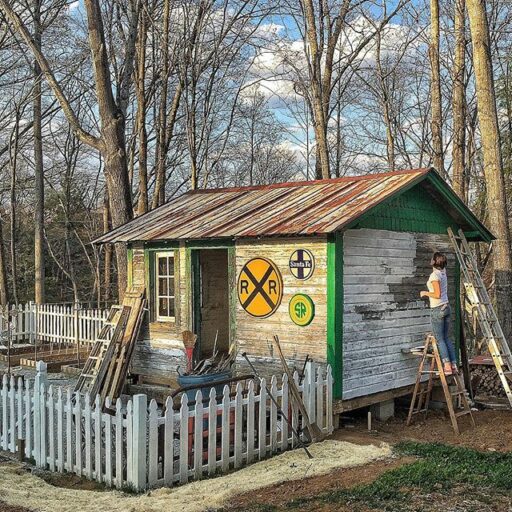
(384,271)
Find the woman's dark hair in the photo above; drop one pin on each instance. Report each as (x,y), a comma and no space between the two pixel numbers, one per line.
(438,260)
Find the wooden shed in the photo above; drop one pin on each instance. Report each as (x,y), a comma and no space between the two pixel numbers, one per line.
(334,267)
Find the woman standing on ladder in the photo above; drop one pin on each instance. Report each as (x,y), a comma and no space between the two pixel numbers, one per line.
(440,311)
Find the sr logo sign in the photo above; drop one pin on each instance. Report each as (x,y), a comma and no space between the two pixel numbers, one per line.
(301,309)
(260,287)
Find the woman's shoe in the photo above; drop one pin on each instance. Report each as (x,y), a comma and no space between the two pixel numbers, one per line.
(455,370)
(447,368)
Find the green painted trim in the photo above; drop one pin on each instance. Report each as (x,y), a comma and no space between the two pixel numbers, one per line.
(129,254)
(233,295)
(210,244)
(161,246)
(335,310)
(196,295)
(149,265)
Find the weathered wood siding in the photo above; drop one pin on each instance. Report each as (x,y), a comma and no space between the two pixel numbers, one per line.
(160,348)
(254,335)
(384,272)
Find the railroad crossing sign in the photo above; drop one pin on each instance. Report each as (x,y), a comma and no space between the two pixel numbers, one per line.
(302,264)
(301,309)
(260,287)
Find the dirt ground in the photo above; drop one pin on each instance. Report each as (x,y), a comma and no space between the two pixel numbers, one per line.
(493,432)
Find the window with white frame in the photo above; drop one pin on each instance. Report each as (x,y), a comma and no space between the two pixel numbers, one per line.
(164,280)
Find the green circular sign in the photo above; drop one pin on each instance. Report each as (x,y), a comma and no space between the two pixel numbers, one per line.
(301,309)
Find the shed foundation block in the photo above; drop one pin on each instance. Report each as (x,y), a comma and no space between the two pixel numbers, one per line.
(383,410)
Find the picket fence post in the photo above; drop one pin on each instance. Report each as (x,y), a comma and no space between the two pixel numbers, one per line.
(39,432)
(139,447)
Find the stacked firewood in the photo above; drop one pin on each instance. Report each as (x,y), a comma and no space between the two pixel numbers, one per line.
(486,382)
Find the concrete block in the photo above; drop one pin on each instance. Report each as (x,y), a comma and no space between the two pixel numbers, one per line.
(383,410)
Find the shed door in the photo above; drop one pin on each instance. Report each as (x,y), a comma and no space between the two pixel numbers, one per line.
(211,301)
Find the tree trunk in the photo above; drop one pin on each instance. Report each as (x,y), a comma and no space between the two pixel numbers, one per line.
(435,86)
(161,153)
(142,204)
(493,166)
(459,102)
(4,295)
(39,295)
(113,144)
(13,160)
(386,107)
(108,251)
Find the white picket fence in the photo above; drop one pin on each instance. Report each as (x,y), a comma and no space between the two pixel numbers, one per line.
(51,323)
(140,446)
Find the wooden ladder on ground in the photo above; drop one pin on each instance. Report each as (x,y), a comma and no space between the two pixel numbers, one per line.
(431,365)
(115,323)
(486,316)
(106,369)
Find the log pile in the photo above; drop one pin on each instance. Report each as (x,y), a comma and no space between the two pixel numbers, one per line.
(486,382)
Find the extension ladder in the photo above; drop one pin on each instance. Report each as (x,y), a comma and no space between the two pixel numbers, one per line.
(486,316)
(423,389)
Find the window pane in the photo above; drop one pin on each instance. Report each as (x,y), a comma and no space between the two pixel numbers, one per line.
(163,307)
(162,266)
(162,286)
(171,286)
(171,307)
(171,266)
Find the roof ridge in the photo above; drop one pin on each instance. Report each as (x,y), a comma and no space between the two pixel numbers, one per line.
(304,183)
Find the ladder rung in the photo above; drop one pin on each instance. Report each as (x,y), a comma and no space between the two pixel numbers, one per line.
(462,413)
(88,375)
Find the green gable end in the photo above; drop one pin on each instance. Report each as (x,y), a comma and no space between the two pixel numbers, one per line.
(414,210)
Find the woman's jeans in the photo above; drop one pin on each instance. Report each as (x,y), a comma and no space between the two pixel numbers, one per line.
(440,318)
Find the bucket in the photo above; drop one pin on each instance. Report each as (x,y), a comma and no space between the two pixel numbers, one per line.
(206,382)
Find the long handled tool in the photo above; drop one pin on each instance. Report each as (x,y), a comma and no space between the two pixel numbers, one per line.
(279,410)
(313,429)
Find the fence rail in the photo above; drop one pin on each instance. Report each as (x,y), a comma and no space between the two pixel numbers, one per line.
(141,446)
(51,323)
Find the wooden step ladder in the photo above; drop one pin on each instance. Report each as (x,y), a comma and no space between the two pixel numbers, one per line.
(431,365)
(486,316)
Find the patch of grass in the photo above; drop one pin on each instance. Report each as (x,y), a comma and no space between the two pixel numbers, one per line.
(439,468)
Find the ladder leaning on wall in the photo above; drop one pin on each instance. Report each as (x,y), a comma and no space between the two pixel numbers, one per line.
(481,302)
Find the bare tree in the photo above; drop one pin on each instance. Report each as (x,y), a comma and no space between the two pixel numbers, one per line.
(459,101)
(493,166)
(435,70)
(39,294)
(111,142)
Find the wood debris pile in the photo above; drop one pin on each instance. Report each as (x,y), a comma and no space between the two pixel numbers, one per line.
(486,382)
(217,363)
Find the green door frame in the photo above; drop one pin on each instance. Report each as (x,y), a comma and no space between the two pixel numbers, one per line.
(193,249)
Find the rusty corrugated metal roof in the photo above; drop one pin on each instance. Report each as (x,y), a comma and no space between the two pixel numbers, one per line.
(289,209)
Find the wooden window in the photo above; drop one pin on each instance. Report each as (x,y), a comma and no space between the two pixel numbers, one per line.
(164,286)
